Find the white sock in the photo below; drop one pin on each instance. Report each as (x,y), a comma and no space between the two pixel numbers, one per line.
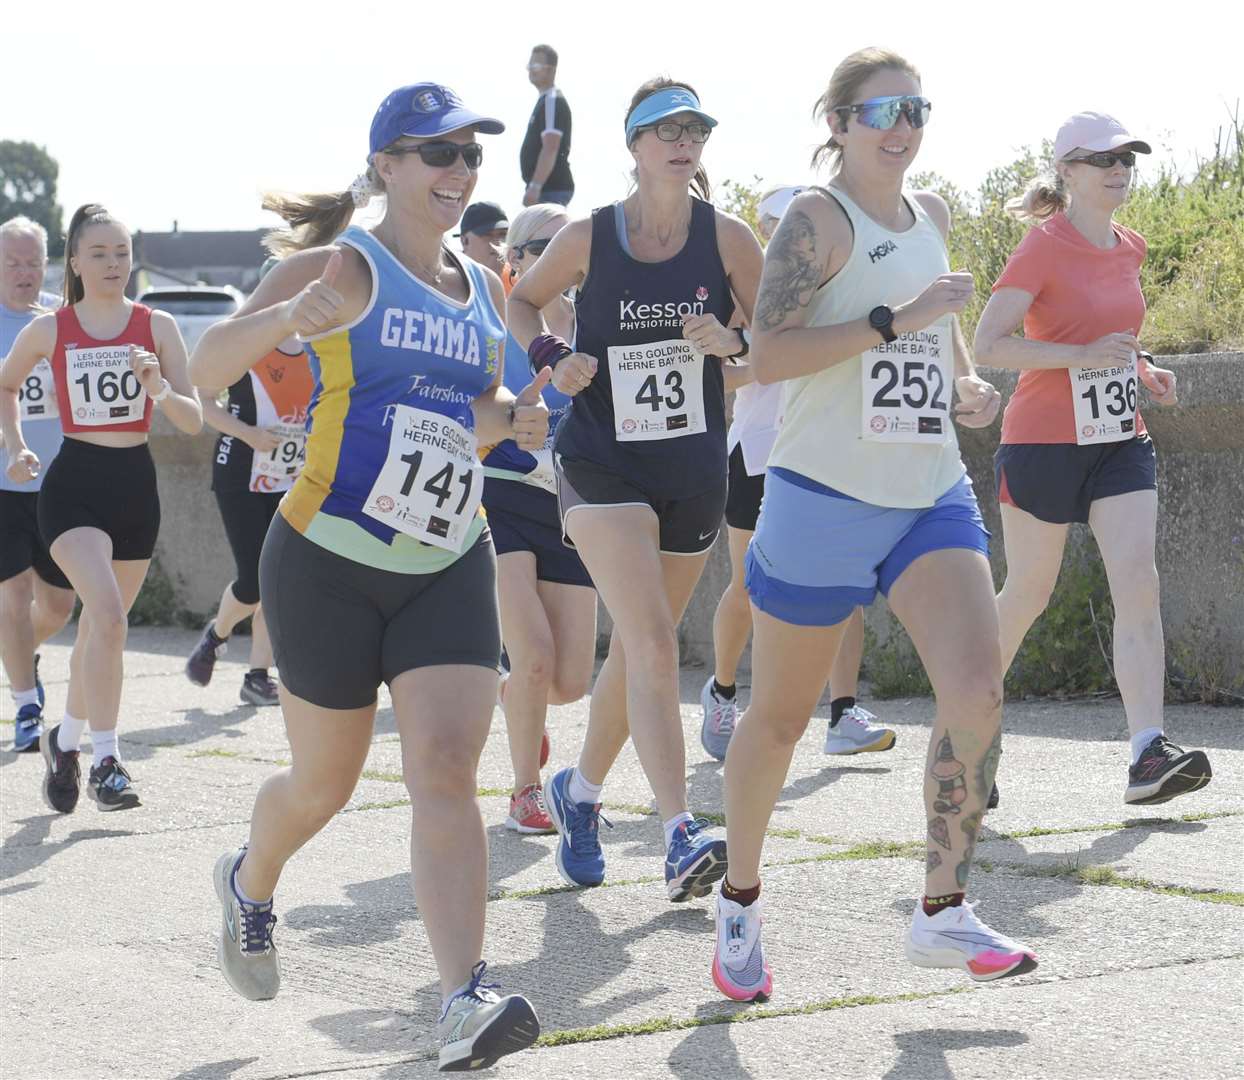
(581,791)
(1142,739)
(104,744)
(673,824)
(70,733)
(22,698)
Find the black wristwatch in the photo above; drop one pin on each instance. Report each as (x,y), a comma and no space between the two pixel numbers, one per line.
(746,338)
(881,319)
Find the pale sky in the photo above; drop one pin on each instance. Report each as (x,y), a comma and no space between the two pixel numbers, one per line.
(168,111)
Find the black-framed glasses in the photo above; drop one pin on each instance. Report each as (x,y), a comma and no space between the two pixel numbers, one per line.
(1106,159)
(672,131)
(535,247)
(441,155)
(882,113)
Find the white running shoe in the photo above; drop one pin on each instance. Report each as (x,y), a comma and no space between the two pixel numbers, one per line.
(479,1027)
(739,968)
(956,938)
(855,733)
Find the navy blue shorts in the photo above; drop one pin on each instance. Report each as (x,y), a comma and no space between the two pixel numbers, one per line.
(744,494)
(523,517)
(819,554)
(1058,482)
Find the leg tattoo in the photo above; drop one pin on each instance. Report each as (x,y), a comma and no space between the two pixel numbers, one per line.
(940,832)
(948,772)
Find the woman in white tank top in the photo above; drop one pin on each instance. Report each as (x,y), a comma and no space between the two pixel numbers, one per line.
(865,492)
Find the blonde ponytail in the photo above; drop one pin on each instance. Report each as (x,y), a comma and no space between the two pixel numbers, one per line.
(1044,197)
(316,220)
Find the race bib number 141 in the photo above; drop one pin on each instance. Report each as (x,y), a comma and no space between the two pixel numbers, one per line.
(432,482)
(907,388)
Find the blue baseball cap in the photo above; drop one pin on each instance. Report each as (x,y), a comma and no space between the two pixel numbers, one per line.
(425,109)
(663,103)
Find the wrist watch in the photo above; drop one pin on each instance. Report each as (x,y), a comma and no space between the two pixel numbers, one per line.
(745,336)
(881,319)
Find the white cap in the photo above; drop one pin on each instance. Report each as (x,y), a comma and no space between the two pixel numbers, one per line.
(775,205)
(1095,132)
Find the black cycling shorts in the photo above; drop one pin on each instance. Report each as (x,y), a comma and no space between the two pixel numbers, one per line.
(21,546)
(246,516)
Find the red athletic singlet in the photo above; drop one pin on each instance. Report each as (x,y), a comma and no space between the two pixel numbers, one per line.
(95,388)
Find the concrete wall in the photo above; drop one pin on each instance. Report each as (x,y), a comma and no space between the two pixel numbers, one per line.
(1200,528)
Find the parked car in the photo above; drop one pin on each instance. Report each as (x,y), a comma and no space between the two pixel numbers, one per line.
(194,307)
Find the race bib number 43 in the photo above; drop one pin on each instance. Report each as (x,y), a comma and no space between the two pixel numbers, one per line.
(431,483)
(907,389)
(1105,403)
(103,388)
(37,395)
(658,390)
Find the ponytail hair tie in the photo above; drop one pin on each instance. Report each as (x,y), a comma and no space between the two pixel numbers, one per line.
(360,190)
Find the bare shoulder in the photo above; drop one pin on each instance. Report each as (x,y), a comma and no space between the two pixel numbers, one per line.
(40,332)
(935,206)
(164,327)
(575,239)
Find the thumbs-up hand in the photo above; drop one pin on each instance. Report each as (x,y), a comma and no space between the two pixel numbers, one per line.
(530,420)
(316,308)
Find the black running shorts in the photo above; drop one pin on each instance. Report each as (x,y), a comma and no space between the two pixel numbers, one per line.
(21,546)
(340,628)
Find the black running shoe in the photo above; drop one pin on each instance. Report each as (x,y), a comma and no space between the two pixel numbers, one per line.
(992,804)
(259,688)
(111,787)
(1163,771)
(62,782)
(202,662)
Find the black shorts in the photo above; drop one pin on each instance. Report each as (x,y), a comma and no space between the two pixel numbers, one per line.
(744,494)
(21,546)
(1058,482)
(687,526)
(524,518)
(340,628)
(246,516)
(109,488)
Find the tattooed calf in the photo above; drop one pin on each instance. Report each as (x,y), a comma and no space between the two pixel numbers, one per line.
(932,861)
(948,772)
(970,826)
(940,832)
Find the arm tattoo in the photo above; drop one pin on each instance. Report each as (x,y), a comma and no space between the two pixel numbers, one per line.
(791,274)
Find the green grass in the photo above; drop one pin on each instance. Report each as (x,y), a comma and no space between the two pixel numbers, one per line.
(601,1032)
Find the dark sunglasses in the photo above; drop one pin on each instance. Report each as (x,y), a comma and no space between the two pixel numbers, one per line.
(1107,159)
(536,247)
(882,113)
(441,155)
(672,131)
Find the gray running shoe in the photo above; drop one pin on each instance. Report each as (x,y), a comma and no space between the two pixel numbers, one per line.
(62,782)
(247,956)
(259,689)
(479,1027)
(855,733)
(720,716)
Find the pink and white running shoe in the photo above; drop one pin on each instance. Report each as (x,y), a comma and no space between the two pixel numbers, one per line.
(956,938)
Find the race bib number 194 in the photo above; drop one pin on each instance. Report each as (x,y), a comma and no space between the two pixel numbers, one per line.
(907,387)
(432,481)
(103,388)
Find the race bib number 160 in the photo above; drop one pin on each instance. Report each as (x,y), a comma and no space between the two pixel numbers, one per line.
(432,481)
(906,387)
(103,388)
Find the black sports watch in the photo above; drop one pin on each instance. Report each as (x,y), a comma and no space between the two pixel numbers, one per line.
(881,319)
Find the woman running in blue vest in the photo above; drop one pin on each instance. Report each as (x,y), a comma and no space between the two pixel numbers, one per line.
(641,456)
(378,566)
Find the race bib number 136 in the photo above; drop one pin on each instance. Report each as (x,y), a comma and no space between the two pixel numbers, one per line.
(1105,403)
(907,388)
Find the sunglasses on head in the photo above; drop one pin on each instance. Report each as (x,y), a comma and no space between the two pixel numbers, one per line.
(882,113)
(535,247)
(1107,159)
(672,131)
(441,155)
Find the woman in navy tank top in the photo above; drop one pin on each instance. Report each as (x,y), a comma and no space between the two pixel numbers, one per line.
(641,456)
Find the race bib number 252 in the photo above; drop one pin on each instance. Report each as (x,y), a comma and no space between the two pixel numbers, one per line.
(907,389)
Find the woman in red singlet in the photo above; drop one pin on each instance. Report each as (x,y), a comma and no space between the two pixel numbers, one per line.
(99,511)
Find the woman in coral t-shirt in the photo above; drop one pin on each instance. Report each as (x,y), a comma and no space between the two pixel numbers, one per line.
(1074,446)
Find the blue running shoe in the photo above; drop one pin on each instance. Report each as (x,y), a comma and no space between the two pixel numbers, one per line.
(695,862)
(28,728)
(579,858)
